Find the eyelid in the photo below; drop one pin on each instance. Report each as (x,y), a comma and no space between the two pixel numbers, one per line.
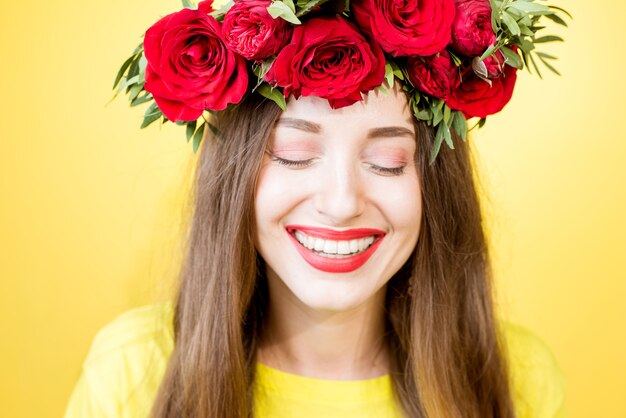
(387,171)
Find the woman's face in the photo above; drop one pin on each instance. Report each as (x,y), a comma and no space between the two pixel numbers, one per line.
(338,202)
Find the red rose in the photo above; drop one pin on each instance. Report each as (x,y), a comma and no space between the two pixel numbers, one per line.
(250,31)
(328,58)
(411,27)
(475,97)
(434,75)
(189,67)
(472,32)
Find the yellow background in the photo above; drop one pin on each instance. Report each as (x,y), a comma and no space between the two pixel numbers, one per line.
(90,205)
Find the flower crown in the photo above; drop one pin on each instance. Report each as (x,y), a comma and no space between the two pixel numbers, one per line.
(456,58)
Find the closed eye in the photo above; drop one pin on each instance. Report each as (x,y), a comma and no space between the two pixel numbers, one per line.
(387,171)
(292,163)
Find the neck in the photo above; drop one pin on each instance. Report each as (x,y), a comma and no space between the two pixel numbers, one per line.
(339,345)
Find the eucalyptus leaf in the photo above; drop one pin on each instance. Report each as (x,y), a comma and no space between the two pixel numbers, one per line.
(547,64)
(141,99)
(191,128)
(561,10)
(219,14)
(134,91)
(556,19)
(189,4)
(548,38)
(389,76)
(147,120)
(436,146)
(534,63)
(197,137)
(459,124)
(512,57)
(528,7)
(488,52)
(306,6)
(273,94)
(280,9)
(290,4)
(447,112)
(122,70)
(510,23)
(446,135)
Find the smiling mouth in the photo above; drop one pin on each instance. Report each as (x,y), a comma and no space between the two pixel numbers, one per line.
(334,248)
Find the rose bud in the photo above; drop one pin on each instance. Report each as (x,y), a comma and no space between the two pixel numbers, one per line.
(472,32)
(476,97)
(494,65)
(206,6)
(411,27)
(250,30)
(190,69)
(434,75)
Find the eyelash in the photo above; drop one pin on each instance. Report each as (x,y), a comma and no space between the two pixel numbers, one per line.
(385,171)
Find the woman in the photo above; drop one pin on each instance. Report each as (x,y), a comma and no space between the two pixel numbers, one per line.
(333,269)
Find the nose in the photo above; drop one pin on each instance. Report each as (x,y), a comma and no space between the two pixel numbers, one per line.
(340,195)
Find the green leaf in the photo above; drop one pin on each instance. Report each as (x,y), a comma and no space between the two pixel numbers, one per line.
(219,14)
(149,118)
(189,4)
(389,77)
(528,7)
(548,38)
(546,63)
(488,52)
(561,10)
(447,112)
(534,63)
(447,136)
(546,56)
(459,124)
(141,99)
(290,4)
(512,57)
(134,91)
(273,94)
(436,145)
(280,9)
(510,23)
(557,19)
(191,128)
(197,137)
(122,70)
(306,6)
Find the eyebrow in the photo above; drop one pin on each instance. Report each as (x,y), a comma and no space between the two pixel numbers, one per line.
(312,127)
(300,124)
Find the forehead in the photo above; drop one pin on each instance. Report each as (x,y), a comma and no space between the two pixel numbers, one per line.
(376,109)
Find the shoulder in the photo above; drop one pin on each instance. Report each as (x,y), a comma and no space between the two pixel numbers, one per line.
(125,365)
(146,327)
(538,384)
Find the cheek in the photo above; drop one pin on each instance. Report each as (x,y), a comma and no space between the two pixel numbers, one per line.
(401,202)
(274,196)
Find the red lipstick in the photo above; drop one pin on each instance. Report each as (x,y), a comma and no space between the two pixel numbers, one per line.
(335,265)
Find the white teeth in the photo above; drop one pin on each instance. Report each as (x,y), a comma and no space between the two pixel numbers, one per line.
(343,247)
(331,248)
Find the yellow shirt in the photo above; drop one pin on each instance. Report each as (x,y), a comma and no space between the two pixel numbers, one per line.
(128,357)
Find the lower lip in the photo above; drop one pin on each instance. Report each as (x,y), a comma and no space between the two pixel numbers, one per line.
(335,265)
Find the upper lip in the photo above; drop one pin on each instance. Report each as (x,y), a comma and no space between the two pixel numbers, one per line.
(333,234)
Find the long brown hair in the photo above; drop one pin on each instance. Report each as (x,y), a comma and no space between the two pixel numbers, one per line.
(446,357)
